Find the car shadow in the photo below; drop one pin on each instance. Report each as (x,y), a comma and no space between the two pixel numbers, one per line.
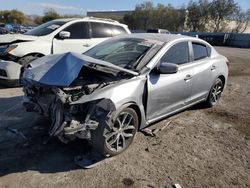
(24,143)
(7,104)
(198,106)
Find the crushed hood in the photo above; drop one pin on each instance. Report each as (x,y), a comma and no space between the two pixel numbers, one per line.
(10,38)
(63,69)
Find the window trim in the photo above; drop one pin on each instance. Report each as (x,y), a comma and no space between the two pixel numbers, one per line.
(199,43)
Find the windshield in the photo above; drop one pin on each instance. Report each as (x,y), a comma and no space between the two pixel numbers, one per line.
(45,28)
(125,53)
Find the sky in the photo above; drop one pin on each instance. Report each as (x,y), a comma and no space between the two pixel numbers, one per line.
(37,7)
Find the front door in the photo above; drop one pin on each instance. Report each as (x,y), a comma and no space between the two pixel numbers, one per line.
(170,92)
(79,40)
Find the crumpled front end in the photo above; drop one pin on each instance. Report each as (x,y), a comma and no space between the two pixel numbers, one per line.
(68,121)
(71,90)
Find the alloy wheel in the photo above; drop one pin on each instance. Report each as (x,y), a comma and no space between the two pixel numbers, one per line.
(122,132)
(216,93)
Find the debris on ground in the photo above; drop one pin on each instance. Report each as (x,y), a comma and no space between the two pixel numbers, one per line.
(153,132)
(17,133)
(176,185)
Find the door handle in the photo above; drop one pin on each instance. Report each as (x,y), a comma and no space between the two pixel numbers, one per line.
(86,45)
(188,77)
(213,67)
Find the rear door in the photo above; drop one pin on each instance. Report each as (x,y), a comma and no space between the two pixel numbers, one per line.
(203,71)
(170,92)
(79,40)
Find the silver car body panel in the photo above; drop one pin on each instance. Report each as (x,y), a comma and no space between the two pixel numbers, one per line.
(125,92)
(155,95)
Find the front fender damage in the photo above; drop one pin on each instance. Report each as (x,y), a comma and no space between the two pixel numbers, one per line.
(68,120)
(76,127)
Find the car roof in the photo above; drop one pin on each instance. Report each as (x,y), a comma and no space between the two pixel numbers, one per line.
(106,20)
(156,36)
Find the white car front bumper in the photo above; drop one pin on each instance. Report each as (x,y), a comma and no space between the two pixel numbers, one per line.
(9,70)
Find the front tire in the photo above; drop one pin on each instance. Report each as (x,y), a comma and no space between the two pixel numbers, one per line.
(113,138)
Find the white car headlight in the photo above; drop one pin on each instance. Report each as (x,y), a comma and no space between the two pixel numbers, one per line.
(11,47)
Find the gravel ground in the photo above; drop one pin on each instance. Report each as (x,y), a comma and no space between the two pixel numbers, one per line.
(199,148)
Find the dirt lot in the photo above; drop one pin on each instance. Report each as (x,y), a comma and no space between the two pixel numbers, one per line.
(200,148)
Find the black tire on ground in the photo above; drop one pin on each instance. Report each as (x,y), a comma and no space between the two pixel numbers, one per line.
(215,93)
(121,131)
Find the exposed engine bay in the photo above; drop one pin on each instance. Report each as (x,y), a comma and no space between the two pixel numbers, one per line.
(70,121)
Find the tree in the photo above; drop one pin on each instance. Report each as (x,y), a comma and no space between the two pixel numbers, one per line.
(242,20)
(38,20)
(220,10)
(147,16)
(50,14)
(198,15)
(246,20)
(143,14)
(12,16)
(130,20)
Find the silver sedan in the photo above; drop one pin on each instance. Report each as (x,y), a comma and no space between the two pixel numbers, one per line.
(123,85)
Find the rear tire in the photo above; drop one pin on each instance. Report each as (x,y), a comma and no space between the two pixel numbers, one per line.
(111,140)
(215,93)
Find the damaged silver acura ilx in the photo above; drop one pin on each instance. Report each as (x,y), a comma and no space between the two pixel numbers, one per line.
(122,85)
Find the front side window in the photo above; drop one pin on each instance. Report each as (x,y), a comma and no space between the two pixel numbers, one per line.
(101,30)
(177,54)
(200,51)
(78,30)
(125,53)
(45,28)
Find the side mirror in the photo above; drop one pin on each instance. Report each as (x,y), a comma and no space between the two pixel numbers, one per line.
(168,68)
(64,34)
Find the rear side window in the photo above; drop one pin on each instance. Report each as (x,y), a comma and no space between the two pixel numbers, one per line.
(101,30)
(118,30)
(78,30)
(200,51)
(177,54)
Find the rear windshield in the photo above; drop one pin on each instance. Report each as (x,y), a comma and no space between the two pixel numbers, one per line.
(45,28)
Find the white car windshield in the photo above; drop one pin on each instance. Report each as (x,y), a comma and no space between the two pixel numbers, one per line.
(45,28)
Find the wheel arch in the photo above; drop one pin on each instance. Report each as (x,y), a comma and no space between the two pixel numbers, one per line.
(138,111)
(223,79)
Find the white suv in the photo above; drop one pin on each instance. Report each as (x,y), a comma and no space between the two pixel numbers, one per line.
(57,36)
